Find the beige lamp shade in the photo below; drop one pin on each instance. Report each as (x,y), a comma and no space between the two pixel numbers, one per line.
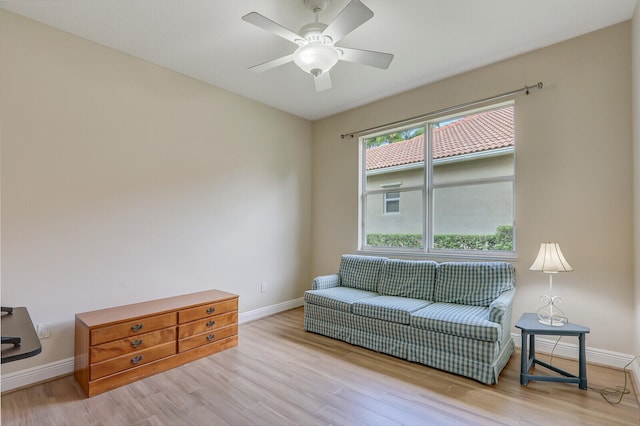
(550,259)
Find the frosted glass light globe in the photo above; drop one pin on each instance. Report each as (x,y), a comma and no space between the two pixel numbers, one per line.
(316,58)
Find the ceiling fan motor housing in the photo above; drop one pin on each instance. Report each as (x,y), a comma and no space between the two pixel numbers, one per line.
(313,33)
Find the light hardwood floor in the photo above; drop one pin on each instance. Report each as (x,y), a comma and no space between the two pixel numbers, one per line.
(281,375)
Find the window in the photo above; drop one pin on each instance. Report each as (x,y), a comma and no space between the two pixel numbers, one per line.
(391,202)
(459,201)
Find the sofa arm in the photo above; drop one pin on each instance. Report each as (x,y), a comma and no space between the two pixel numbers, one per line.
(501,306)
(326,281)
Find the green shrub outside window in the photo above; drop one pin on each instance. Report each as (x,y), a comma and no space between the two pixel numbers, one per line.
(502,240)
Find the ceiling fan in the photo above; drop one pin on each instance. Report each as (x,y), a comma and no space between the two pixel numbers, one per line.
(317,53)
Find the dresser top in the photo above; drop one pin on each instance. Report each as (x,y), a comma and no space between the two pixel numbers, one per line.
(125,312)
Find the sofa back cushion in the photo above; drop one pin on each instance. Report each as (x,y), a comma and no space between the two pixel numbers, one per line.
(408,278)
(472,283)
(362,272)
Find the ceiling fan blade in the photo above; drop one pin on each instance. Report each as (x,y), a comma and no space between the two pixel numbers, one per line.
(366,57)
(274,63)
(322,82)
(267,24)
(351,17)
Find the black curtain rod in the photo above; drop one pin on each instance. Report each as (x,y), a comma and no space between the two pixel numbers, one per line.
(524,89)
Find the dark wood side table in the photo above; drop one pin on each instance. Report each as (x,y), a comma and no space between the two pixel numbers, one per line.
(19,338)
(531,327)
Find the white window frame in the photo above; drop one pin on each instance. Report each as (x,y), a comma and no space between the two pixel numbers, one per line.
(428,191)
(388,199)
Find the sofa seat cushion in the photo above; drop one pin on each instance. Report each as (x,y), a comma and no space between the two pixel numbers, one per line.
(361,272)
(408,278)
(388,308)
(472,283)
(458,320)
(339,298)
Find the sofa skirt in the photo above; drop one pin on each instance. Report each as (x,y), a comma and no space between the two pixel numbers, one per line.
(477,359)
(328,322)
(486,372)
(381,336)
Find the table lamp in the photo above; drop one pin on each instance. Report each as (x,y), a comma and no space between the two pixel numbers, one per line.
(551,261)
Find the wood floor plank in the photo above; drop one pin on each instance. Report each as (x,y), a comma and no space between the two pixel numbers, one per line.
(281,375)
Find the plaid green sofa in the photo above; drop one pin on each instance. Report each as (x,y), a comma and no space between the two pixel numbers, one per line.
(454,316)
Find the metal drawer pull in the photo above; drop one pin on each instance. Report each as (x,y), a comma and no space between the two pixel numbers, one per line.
(137,327)
(136,343)
(136,359)
(211,337)
(211,323)
(211,310)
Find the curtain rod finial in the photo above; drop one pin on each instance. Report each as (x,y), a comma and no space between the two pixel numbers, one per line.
(537,86)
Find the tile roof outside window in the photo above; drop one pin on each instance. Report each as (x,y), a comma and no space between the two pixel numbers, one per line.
(473,133)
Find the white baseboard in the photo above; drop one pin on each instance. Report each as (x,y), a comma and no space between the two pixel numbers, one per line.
(635,373)
(269,310)
(37,374)
(41,373)
(570,350)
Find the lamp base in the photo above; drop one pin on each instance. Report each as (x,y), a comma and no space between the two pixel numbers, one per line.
(550,314)
(555,322)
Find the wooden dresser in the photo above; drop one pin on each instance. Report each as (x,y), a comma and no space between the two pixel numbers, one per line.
(117,346)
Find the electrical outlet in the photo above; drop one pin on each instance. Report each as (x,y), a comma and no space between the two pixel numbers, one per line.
(44,330)
(263,287)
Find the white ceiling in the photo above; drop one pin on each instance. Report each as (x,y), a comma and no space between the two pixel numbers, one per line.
(431,40)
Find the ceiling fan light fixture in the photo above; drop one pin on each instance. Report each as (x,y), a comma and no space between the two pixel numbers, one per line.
(316,53)
(316,58)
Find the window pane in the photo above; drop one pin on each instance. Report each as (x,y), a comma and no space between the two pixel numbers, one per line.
(474,217)
(392,196)
(392,202)
(402,229)
(393,189)
(392,206)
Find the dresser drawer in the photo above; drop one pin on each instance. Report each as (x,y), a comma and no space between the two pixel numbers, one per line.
(131,360)
(206,338)
(207,324)
(131,344)
(132,328)
(208,310)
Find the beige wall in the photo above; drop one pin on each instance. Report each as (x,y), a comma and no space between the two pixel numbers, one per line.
(635,42)
(573,174)
(123,182)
